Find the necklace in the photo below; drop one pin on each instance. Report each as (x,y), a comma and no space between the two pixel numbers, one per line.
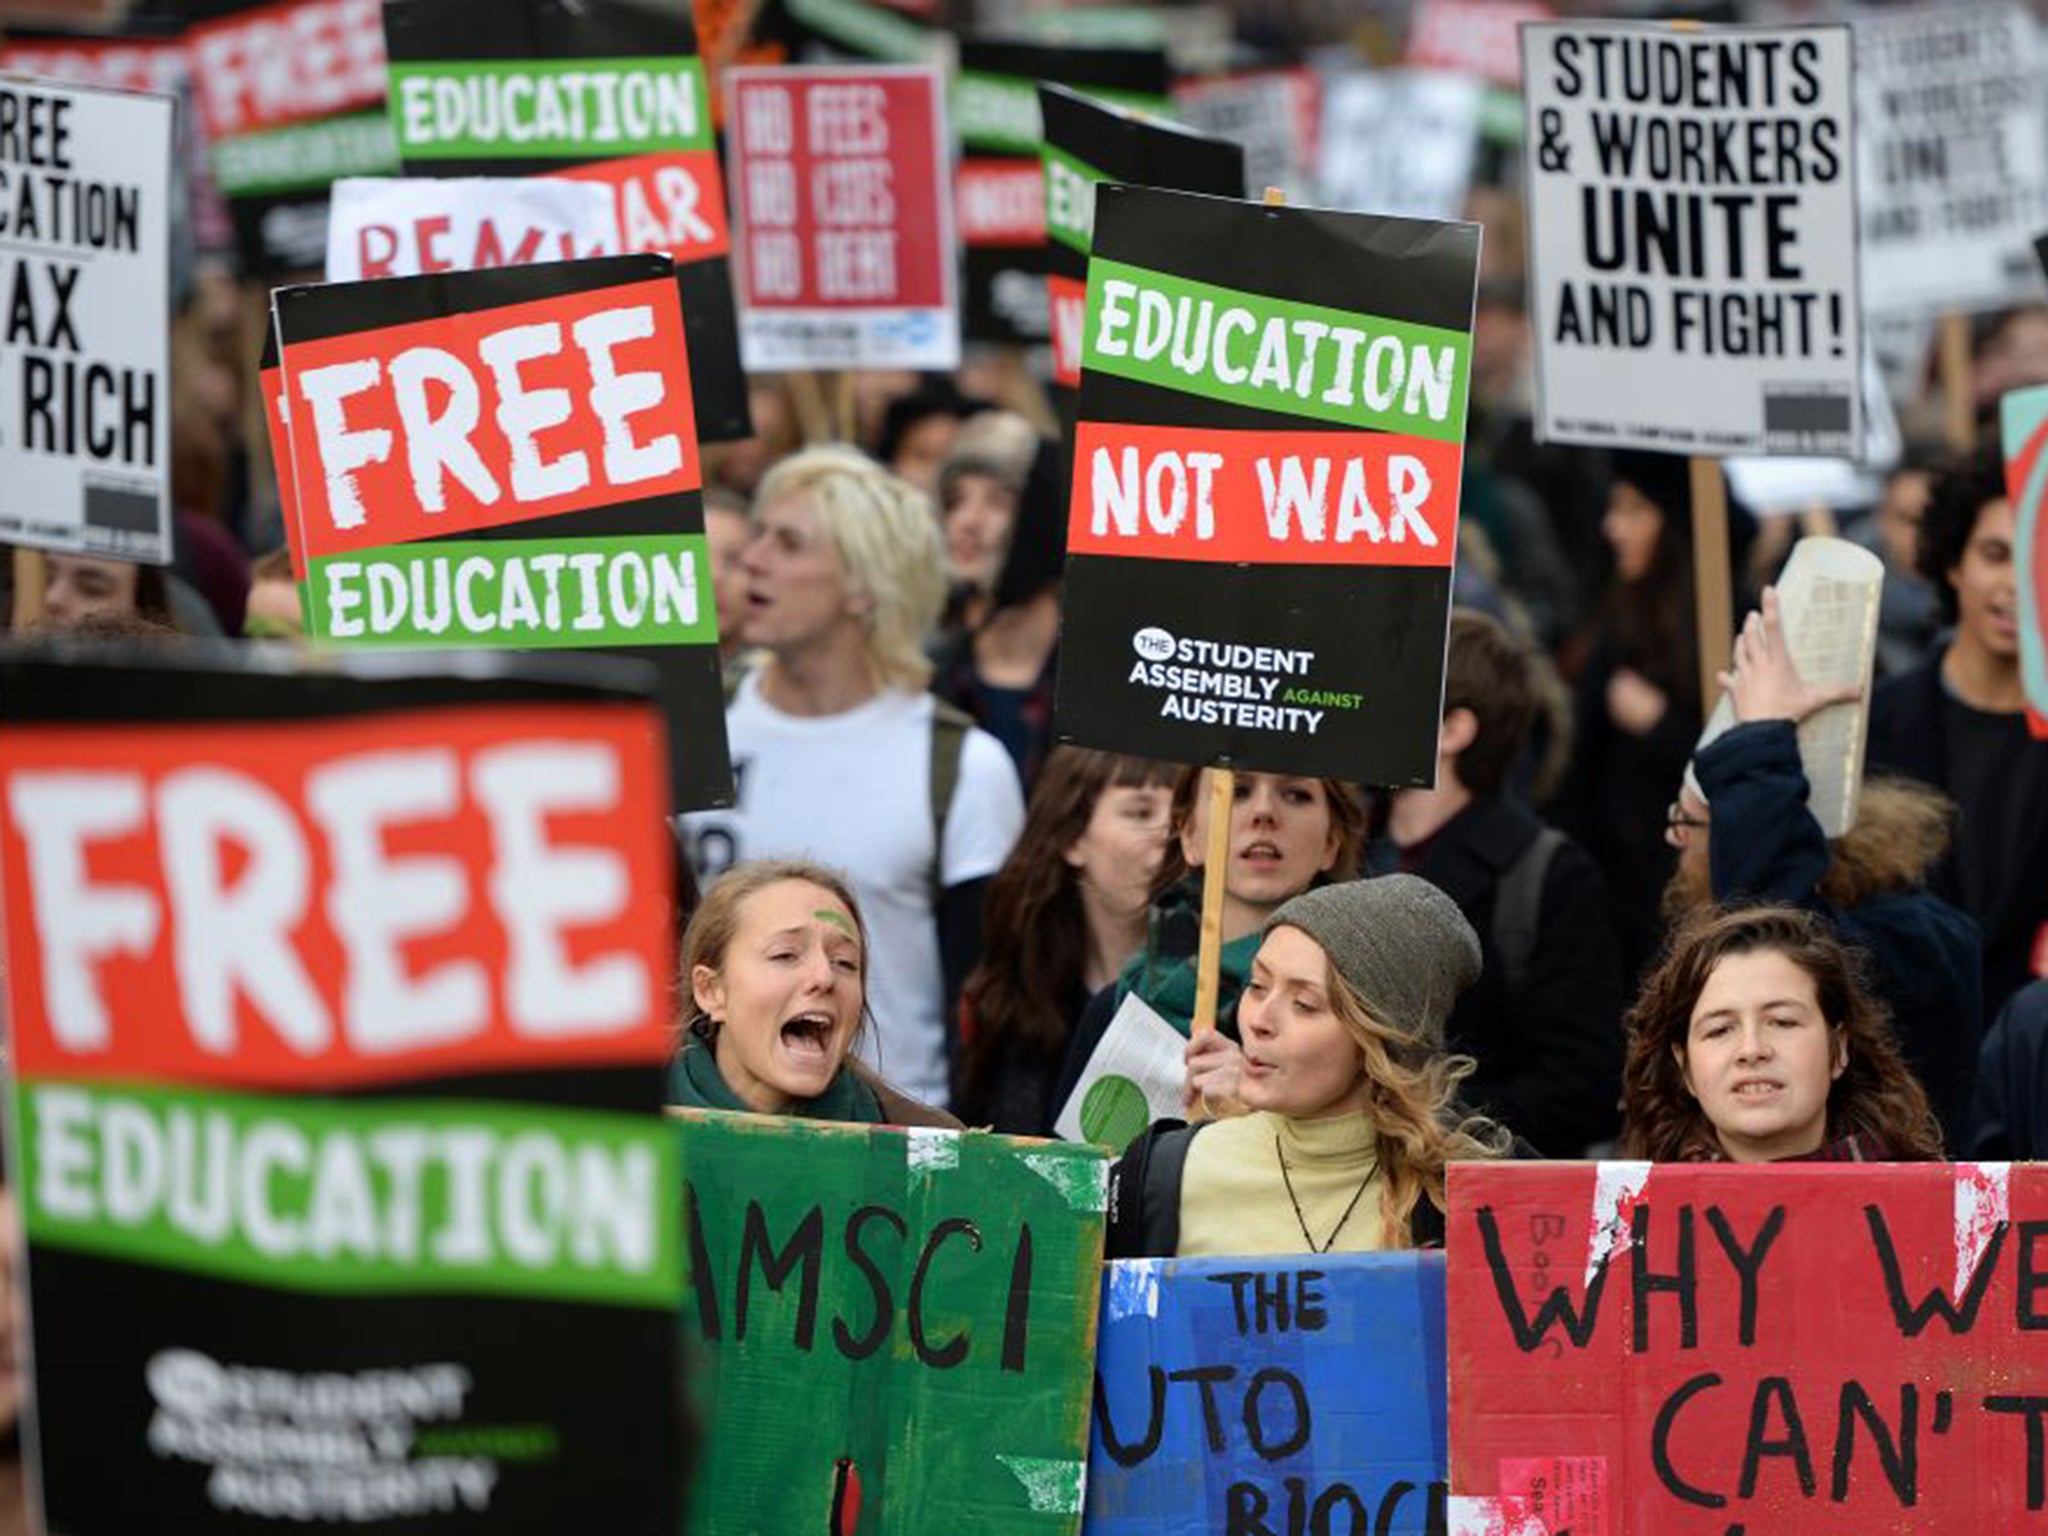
(1301,1220)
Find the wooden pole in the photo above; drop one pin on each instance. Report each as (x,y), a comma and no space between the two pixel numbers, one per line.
(813,416)
(30,576)
(1713,588)
(1215,870)
(1216,861)
(846,407)
(1958,411)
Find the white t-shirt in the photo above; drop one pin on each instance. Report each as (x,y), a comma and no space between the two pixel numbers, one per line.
(853,791)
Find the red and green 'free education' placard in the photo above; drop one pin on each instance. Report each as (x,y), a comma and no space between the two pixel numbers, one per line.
(1266,476)
(338,1007)
(507,458)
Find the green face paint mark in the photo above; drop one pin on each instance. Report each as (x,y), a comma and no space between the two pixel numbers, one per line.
(838,920)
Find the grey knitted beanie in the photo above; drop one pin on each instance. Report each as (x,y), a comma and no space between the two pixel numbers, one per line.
(1403,945)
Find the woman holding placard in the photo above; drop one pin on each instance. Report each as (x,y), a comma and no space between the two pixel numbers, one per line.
(775,964)
(1287,833)
(1756,1041)
(1065,912)
(1352,1097)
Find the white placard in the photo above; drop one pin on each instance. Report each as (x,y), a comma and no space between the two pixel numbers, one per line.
(1791,485)
(1952,117)
(1400,142)
(1139,1063)
(85,388)
(396,226)
(1272,116)
(1827,600)
(1692,239)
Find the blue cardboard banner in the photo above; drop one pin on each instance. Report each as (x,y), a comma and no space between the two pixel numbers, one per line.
(1270,1397)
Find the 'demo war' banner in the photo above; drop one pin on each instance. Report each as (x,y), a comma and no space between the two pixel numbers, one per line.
(1266,476)
(596,90)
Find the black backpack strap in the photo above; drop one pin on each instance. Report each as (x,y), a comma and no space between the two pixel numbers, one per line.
(950,725)
(1144,1193)
(1518,905)
(1425,1224)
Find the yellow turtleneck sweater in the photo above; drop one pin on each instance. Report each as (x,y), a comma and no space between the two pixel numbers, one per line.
(1233,1200)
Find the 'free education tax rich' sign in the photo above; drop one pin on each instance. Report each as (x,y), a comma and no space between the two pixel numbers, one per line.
(1266,475)
(507,458)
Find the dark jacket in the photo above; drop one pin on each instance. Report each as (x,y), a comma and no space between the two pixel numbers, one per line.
(1766,846)
(1549,1046)
(2009,1115)
(1016,1092)
(1615,798)
(1907,736)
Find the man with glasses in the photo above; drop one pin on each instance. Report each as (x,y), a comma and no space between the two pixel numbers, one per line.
(1744,832)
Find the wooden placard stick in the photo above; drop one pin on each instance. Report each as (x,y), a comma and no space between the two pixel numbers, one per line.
(30,577)
(1713,586)
(845,407)
(1958,413)
(1215,862)
(1215,869)
(813,416)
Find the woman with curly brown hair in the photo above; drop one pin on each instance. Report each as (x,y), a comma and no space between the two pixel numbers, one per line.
(1064,913)
(1755,1040)
(1352,1096)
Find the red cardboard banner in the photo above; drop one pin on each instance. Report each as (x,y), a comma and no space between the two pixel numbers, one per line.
(1069,320)
(270,384)
(336,902)
(286,63)
(1808,1350)
(153,64)
(490,417)
(1001,202)
(1473,37)
(670,202)
(1266,498)
(839,182)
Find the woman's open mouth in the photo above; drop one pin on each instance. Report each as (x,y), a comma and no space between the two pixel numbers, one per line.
(1260,853)
(809,1035)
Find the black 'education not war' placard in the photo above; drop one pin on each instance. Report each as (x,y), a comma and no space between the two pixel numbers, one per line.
(1265,497)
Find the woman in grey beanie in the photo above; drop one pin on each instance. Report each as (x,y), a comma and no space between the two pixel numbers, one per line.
(1352,1096)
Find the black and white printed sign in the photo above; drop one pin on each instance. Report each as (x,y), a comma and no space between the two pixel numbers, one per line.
(1952,123)
(1693,237)
(85,395)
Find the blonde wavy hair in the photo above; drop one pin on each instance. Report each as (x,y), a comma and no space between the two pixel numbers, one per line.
(887,539)
(1419,1126)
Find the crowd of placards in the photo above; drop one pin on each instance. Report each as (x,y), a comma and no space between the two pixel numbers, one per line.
(869,766)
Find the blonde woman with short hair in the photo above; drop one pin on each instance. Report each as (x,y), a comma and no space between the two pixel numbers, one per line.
(840,756)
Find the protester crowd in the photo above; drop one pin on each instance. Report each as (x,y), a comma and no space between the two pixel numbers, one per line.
(1592,934)
(889,615)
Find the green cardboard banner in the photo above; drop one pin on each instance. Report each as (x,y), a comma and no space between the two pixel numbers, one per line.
(574,108)
(895,1329)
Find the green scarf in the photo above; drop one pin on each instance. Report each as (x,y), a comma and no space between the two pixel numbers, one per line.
(1163,972)
(694,1082)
